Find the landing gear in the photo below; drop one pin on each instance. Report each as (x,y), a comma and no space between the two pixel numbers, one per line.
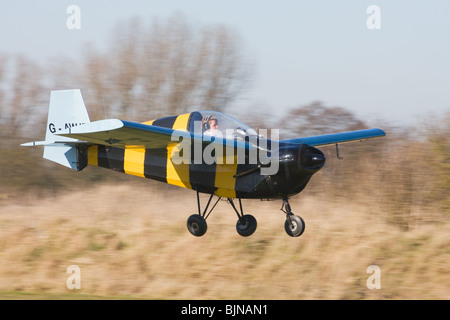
(294,225)
(196,223)
(197,226)
(246,224)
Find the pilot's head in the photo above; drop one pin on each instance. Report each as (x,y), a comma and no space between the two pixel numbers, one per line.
(210,123)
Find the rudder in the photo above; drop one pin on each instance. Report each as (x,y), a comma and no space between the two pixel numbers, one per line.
(66,110)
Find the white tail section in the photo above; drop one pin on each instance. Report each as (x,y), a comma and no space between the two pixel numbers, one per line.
(66,110)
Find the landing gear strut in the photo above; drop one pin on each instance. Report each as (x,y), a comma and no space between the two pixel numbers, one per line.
(294,225)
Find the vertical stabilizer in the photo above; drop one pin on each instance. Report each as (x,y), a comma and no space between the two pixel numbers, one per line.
(66,110)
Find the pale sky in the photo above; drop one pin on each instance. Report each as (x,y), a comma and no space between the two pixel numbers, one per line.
(303,51)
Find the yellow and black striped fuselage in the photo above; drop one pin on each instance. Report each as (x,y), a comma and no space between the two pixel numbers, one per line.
(157,164)
(221,178)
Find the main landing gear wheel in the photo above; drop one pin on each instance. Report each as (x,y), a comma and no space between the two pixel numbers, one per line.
(246,225)
(294,225)
(197,225)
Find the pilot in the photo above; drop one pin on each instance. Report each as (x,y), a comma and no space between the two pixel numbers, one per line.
(210,126)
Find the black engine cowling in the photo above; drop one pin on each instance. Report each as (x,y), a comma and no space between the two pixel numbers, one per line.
(297,163)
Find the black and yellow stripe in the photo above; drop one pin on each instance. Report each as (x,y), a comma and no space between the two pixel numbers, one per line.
(225,181)
(178,174)
(134,161)
(156,164)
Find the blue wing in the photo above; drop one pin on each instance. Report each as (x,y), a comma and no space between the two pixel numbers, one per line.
(327,139)
(120,133)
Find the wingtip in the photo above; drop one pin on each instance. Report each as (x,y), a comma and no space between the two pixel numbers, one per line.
(382,132)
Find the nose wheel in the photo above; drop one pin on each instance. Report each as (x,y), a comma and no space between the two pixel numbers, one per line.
(294,225)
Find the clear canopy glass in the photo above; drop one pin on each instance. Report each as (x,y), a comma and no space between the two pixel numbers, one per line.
(214,123)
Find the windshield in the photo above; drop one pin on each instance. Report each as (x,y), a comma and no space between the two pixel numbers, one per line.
(213,123)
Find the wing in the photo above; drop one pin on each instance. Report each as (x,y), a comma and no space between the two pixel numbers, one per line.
(334,138)
(120,133)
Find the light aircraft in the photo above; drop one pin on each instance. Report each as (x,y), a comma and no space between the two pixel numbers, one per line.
(186,150)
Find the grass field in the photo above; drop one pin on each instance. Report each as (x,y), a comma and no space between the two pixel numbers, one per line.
(133,243)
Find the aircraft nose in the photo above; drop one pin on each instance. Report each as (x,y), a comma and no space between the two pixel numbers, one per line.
(317,159)
(312,158)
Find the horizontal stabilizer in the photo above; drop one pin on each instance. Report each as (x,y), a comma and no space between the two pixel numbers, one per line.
(51,143)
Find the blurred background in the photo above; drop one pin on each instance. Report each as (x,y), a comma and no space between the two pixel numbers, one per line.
(304,68)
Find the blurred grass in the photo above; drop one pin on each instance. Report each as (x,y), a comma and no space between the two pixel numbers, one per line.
(14,295)
(133,243)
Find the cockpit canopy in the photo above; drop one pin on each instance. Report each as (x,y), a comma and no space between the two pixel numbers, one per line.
(217,124)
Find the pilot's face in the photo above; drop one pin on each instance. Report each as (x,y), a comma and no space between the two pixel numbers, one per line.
(213,124)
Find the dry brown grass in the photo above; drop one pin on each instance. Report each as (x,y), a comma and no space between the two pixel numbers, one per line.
(133,242)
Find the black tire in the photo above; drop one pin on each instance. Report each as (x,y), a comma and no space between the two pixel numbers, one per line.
(294,226)
(246,225)
(197,225)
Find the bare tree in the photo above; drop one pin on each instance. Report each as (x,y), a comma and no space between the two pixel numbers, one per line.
(24,94)
(315,118)
(167,68)
(95,83)
(3,84)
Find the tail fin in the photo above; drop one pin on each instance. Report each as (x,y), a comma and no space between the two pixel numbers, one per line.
(66,110)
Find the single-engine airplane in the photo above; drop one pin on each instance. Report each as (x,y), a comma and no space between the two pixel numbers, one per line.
(206,151)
